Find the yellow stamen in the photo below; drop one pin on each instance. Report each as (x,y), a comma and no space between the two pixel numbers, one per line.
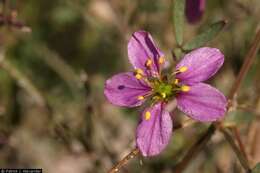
(138,76)
(185,88)
(183,69)
(140,97)
(161,60)
(147,115)
(139,71)
(163,95)
(148,63)
(176,81)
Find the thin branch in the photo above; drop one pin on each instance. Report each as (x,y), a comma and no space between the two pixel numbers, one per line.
(246,65)
(239,141)
(239,154)
(125,160)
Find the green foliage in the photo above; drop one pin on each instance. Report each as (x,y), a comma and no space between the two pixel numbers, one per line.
(178,20)
(206,36)
(256,168)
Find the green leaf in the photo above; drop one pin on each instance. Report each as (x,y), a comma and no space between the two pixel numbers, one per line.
(257,168)
(205,36)
(178,20)
(178,53)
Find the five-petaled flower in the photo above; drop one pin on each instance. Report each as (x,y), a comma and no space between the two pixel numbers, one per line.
(198,100)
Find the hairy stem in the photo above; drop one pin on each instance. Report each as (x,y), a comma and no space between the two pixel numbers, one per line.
(124,161)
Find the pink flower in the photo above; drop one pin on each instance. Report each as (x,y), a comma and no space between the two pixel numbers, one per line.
(198,100)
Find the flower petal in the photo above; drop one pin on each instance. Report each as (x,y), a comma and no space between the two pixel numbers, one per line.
(123,89)
(194,10)
(203,102)
(200,65)
(141,47)
(154,131)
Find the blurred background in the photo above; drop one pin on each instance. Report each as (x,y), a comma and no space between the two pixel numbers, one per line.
(55,56)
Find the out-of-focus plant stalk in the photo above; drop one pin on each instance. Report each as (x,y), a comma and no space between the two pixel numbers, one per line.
(246,65)
(57,64)
(22,80)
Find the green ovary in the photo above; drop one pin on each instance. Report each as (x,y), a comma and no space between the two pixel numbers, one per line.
(163,90)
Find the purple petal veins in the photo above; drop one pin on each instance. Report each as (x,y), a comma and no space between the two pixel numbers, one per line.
(202,103)
(154,131)
(123,89)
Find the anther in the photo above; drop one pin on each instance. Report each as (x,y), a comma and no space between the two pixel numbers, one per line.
(161,60)
(183,69)
(140,97)
(185,88)
(148,62)
(176,81)
(180,70)
(138,76)
(139,71)
(163,95)
(147,115)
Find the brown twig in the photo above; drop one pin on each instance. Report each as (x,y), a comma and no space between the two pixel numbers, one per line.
(239,141)
(125,160)
(246,66)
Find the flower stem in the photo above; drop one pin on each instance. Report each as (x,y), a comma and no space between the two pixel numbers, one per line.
(124,161)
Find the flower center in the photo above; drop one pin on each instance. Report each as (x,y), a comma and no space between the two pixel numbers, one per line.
(162,90)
